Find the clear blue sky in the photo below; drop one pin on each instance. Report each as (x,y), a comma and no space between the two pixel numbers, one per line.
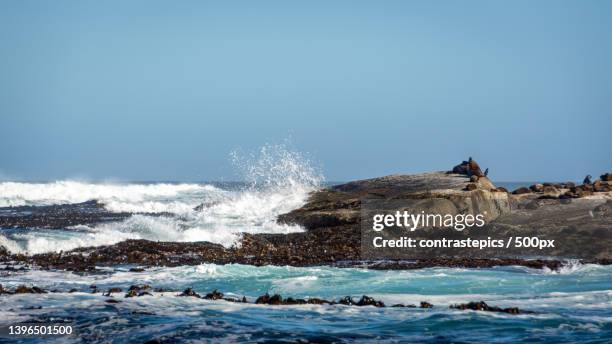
(164,90)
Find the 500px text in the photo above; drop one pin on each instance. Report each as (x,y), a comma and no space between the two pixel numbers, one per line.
(515,242)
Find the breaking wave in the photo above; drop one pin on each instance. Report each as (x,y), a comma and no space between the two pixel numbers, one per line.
(277,181)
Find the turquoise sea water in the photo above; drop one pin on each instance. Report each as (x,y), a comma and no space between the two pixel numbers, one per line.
(571,305)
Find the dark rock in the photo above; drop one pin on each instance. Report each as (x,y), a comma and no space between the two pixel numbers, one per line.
(537,187)
(368,301)
(60,216)
(231,299)
(347,300)
(131,293)
(139,287)
(606,177)
(112,290)
(263,299)
(521,190)
(137,270)
(111,301)
(189,292)
(482,306)
(403,305)
(266,299)
(292,301)
(22,289)
(73,290)
(215,295)
(153,341)
(317,301)
(425,304)
(275,299)
(501,189)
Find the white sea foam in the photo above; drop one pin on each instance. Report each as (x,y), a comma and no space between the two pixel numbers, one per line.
(158,197)
(277,181)
(569,267)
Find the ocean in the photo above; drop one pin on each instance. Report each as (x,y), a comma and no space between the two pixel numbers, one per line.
(573,304)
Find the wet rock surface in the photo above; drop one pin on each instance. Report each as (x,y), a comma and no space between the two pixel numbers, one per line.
(332,236)
(58,216)
(276,299)
(483,306)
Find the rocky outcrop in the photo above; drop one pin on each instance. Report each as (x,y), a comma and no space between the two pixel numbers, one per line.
(566,190)
(138,290)
(439,192)
(332,221)
(276,299)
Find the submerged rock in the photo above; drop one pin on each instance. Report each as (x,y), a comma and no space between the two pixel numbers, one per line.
(112,290)
(231,299)
(347,301)
(483,306)
(292,301)
(22,289)
(138,290)
(317,301)
(425,304)
(189,292)
(215,295)
(369,301)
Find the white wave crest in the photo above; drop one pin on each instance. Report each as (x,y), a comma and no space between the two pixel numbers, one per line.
(278,182)
(158,197)
(569,267)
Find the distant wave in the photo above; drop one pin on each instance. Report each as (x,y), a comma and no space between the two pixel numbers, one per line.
(156,197)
